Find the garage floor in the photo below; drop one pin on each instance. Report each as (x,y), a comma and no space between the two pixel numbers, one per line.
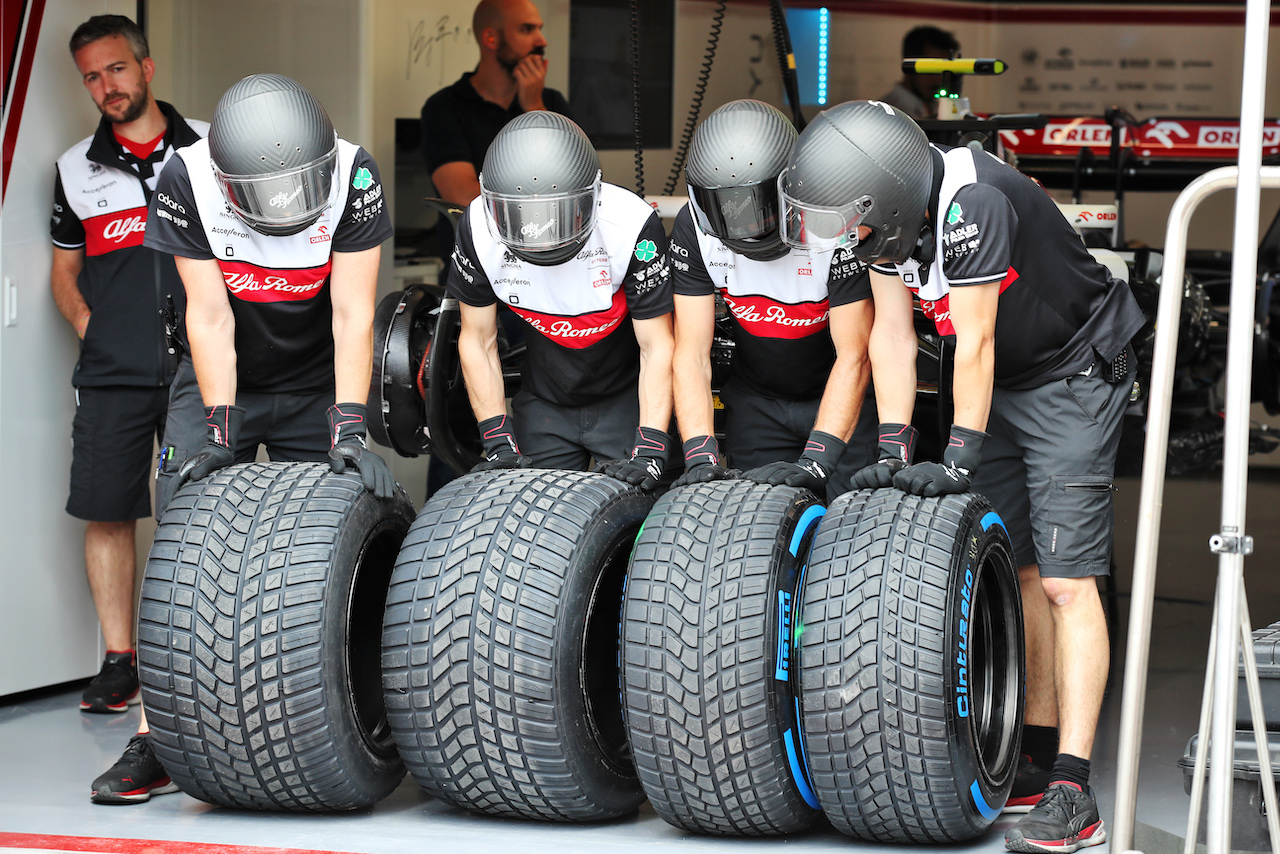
(50,751)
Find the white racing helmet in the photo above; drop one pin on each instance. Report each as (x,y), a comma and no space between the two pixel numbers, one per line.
(541,184)
(274,153)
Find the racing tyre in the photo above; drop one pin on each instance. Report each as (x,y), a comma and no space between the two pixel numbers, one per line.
(912,666)
(707,640)
(258,634)
(500,645)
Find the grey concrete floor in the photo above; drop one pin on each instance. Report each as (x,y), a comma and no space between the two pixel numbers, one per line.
(50,751)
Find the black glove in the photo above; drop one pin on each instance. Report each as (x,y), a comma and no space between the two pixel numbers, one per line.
(702,463)
(499,446)
(648,459)
(821,454)
(954,474)
(346,432)
(897,451)
(222,428)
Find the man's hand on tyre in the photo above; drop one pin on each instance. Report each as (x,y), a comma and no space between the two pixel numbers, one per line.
(897,451)
(648,460)
(951,476)
(702,463)
(349,452)
(812,471)
(222,429)
(498,445)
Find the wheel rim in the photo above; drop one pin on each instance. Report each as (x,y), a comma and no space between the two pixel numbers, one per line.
(995,679)
(601,693)
(365,606)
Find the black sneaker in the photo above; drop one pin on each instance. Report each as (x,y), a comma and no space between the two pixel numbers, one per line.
(115,687)
(135,777)
(1065,820)
(1029,784)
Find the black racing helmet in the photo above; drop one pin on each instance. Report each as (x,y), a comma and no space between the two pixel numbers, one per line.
(734,161)
(540,184)
(274,153)
(860,163)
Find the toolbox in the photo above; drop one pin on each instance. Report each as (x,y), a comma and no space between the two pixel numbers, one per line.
(1266,647)
(1248,809)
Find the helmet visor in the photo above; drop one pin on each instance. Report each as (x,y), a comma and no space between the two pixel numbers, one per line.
(542,222)
(818,227)
(283,202)
(736,213)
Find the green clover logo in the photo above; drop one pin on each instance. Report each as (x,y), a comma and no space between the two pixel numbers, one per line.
(645,250)
(363,179)
(954,214)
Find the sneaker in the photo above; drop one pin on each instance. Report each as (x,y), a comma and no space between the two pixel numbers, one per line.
(1065,820)
(1029,784)
(115,687)
(135,777)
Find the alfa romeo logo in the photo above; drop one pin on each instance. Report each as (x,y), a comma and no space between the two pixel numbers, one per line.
(645,250)
(363,179)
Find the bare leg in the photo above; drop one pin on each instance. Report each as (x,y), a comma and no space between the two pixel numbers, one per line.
(1081,659)
(1042,694)
(109,559)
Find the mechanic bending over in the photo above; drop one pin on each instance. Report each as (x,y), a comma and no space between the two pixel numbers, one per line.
(800,319)
(279,257)
(1040,386)
(584,264)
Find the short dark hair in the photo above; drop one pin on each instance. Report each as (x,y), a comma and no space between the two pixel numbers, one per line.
(101,26)
(914,43)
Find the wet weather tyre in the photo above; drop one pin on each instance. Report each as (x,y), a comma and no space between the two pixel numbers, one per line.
(500,645)
(258,634)
(912,666)
(708,677)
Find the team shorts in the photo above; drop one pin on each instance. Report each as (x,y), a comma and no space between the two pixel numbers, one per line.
(112,437)
(1048,468)
(760,430)
(569,437)
(292,427)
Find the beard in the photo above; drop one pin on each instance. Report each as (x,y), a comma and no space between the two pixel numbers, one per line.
(131,110)
(509,59)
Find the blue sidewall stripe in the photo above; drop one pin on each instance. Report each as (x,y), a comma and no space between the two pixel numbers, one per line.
(988,812)
(798,770)
(993,518)
(807,521)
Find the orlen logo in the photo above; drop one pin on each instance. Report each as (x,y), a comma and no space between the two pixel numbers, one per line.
(603,280)
(322,235)
(1097,216)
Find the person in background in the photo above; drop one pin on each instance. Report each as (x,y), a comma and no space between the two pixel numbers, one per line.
(800,320)
(1040,385)
(114,292)
(914,94)
(278,254)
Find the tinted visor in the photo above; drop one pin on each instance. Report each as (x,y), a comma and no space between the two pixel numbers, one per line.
(282,202)
(818,227)
(736,213)
(536,223)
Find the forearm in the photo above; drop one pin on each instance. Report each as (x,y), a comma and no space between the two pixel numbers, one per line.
(66,290)
(352,359)
(212,341)
(691,384)
(482,371)
(893,365)
(655,388)
(974,380)
(842,398)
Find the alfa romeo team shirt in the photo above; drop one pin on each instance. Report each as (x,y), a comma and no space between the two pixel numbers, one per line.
(582,346)
(1059,309)
(779,309)
(278,286)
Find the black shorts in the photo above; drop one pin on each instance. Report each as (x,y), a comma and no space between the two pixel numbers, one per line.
(1048,468)
(112,437)
(569,437)
(761,430)
(292,427)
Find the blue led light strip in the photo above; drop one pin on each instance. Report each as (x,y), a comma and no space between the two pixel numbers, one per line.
(823,17)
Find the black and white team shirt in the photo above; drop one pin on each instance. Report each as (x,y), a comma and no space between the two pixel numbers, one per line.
(100,201)
(1059,310)
(278,286)
(581,343)
(779,309)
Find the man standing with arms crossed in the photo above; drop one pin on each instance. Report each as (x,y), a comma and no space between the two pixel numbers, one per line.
(113,291)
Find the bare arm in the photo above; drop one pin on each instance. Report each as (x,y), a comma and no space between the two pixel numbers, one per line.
(67,264)
(211,329)
(481,367)
(847,383)
(973,314)
(657,344)
(695,319)
(353,282)
(456,182)
(892,349)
